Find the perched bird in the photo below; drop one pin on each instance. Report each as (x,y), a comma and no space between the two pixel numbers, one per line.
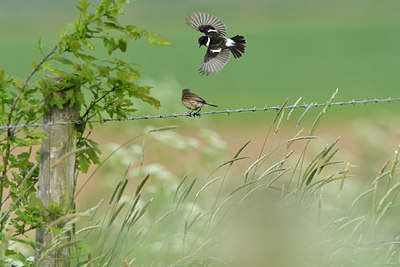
(217,54)
(193,101)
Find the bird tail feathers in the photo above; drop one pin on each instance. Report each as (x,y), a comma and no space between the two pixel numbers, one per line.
(238,46)
(211,105)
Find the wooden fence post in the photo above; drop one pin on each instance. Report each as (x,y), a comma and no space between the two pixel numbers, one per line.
(56,178)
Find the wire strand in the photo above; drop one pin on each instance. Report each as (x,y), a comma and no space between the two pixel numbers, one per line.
(212,112)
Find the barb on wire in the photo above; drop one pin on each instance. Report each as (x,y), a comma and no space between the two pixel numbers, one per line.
(213,112)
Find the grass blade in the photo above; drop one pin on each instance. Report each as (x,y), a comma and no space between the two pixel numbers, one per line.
(246,173)
(179,186)
(116,213)
(280,110)
(291,110)
(361,196)
(185,193)
(165,215)
(304,113)
(205,185)
(140,186)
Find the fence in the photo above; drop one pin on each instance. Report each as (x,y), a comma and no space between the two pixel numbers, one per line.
(212,112)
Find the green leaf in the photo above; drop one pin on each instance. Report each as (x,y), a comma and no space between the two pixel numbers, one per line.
(75,45)
(64,31)
(113,25)
(158,41)
(39,45)
(80,97)
(36,135)
(94,145)
(83,163)
(135,31)
(83,5)
(85,56)
(54,208)
(64,60)
(90,45)
(110,44)
(86,72)
(122,44)
(1,76)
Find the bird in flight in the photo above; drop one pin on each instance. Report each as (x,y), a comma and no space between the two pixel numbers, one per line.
(193,102)
(218,46)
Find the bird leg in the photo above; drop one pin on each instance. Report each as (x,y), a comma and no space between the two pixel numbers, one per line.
(197,113)
(191,113)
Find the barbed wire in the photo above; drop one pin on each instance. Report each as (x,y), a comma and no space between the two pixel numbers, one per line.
(212,112)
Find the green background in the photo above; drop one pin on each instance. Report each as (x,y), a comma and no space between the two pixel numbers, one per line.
(294,48)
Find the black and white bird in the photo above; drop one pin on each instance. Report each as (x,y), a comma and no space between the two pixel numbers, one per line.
(218,46)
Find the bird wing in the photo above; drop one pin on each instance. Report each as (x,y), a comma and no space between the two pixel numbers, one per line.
(193,97)
(206,23)
(214,61)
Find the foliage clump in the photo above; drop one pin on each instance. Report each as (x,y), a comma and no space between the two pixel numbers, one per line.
(71,75)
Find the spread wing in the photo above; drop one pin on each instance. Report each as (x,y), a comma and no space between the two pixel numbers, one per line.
(214,61)
(206,23)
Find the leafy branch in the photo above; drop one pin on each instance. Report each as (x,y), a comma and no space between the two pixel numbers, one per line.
(69,75)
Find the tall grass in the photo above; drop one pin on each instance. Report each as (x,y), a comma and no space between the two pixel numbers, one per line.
(284,210)
(294,204)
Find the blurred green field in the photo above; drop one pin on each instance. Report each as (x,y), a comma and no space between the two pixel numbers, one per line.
(294,49)
(304,204)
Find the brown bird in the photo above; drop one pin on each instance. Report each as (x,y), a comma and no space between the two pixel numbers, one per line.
(193,102)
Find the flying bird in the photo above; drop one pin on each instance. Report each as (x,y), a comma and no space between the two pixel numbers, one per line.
(218,46)
(193,102)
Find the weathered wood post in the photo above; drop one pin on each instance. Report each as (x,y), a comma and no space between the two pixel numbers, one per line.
(56,177)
